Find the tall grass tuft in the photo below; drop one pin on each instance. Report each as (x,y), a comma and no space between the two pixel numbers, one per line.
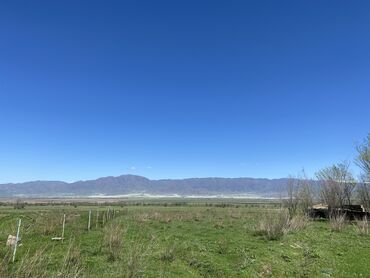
(32,266)
(274,225)
(49,223)
(71,267)
(337,222)
(362,226)
(4,263)
(113,240)
(168,254)
(298,222)
(134,265)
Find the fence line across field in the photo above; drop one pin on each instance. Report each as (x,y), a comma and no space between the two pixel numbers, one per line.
(106,215)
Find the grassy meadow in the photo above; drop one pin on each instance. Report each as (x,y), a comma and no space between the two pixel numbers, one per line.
(177,241)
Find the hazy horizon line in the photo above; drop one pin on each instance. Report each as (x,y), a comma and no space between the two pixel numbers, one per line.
(137,175)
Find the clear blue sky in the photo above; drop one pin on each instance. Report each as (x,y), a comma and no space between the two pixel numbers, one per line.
(171,89)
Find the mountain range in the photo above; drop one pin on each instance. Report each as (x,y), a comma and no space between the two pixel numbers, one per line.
(132,184)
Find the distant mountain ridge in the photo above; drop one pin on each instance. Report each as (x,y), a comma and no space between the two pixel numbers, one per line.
(132,184)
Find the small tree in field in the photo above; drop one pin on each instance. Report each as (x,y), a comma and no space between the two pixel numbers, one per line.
(19,204)
(336,185)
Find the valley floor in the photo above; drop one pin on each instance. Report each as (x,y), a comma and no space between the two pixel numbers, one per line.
(178,241)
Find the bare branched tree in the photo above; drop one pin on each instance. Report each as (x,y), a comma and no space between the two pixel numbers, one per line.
(292,200)
(306,193)
(299,194)
(363,161)
(363,158)
(337,185)
(363,193)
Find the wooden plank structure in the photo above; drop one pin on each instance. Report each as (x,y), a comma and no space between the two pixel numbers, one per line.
(351,212)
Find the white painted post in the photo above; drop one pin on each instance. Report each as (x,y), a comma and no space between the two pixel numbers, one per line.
(16,239)
(88,225)
(64,223)
(97,218)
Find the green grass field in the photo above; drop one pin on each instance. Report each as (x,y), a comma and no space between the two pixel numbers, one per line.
(179,241)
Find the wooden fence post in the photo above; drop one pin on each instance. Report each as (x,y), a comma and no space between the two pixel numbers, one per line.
(89,223)
(64,223)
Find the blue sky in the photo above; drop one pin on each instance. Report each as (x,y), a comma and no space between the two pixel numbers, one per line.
(173,89)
